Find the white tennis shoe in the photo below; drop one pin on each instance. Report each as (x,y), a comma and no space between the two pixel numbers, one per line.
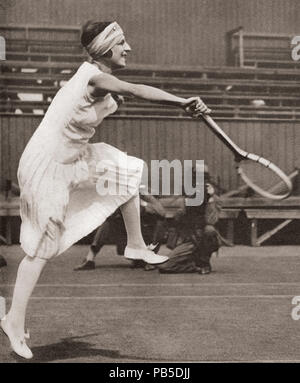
(18,345)
(145,255)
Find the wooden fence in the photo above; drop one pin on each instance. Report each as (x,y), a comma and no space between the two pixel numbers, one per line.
(169,138)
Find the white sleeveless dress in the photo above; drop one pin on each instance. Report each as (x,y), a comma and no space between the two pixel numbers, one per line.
(65,179)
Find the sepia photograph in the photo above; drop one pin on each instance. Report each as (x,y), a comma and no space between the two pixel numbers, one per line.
(149,184)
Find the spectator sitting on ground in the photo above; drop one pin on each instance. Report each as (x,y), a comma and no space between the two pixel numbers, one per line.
(195,238)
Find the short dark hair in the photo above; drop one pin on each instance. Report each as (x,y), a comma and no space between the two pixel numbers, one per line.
(91,29)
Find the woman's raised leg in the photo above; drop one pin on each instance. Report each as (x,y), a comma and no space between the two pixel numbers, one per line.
(136,248)
(132,219)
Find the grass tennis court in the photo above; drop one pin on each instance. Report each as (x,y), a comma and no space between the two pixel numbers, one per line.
(240,312)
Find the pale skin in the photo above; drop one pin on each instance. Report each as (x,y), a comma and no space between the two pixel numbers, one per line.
(30,268)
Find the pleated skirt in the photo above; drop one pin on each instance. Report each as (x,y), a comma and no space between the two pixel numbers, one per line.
(78,196)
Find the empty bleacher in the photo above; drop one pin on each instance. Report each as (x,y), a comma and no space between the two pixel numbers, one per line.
(40,60)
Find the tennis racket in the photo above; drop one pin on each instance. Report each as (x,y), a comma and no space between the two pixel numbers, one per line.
(258,173)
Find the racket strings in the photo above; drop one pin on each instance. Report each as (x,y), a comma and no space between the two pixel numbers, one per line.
(261,178)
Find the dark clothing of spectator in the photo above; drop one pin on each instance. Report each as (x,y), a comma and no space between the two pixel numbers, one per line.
(194,238)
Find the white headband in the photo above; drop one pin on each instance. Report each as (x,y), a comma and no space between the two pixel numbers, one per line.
(103,42)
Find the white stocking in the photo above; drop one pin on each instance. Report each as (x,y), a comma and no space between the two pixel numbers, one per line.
(132,219)
(28,274)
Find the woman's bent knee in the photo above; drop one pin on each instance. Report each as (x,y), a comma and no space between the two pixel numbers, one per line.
(48,246)
(35,260)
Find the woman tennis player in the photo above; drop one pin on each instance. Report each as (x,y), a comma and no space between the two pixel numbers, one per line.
(61,175)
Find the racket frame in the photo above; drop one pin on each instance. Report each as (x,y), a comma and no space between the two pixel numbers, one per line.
(240,154)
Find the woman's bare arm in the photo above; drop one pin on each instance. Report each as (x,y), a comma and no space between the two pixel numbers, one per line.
(104,83)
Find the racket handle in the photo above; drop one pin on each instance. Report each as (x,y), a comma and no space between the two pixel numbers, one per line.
(239,154)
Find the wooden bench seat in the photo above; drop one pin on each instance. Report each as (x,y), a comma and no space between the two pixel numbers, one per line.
(47,71)
(44,46)
(9,207)
(151,110)
(211,88)
(211,73)
(254,215)
(45,57)
(8,66)
(63,32)
(254,93)
(158,71)
(211,92)
(258,202)
(264,63)
(255,209)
